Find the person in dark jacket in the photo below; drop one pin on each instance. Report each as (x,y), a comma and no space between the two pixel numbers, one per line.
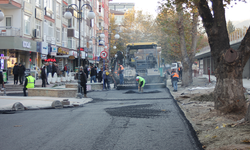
(21,71)
(86,71)
(83,79)
(175,78)
(44,76)
(15,72)
(49,68)
(100,75)
(53,69)
(1,79)
(93,74)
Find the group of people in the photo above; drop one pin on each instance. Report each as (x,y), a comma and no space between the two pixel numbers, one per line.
(18,71)
(49,68)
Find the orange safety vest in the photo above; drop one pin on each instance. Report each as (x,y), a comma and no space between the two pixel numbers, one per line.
(179,68)
(175,75)
(121,67)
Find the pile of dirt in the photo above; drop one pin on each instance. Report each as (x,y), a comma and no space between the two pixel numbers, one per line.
(204,97)
(214,130)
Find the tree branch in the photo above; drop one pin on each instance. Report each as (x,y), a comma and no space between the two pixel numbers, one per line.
(206,15)
(244,48)
(194,35)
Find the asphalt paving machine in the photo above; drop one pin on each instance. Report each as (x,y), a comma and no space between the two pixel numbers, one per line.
(142,59)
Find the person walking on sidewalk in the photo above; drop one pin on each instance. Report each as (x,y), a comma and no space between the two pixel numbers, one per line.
(44,76)
(100,75)
(141,83)
(180,72)
(83,79)
(106,78)
(15,72)
(29,83)
(1,78)
(21,71)
(175,78)
(93,74)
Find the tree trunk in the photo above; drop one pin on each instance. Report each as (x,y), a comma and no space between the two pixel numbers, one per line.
(187,78)
(229,91)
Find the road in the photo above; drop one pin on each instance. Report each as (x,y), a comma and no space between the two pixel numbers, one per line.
(114,120)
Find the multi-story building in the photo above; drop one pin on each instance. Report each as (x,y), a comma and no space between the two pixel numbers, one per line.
(119,9)
(35,31)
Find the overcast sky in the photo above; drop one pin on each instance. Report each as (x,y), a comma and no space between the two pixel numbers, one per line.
(238,12)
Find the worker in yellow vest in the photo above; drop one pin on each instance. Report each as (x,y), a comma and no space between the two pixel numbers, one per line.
(175,78)
(29,83)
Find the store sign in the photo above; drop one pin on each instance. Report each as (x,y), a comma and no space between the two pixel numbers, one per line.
(72,57)
(38,14)
(28,7)
(73,53)
(53,53)
(43,57)
(83,55)
(26,44)
(53,49)
(50,60)
(45,48)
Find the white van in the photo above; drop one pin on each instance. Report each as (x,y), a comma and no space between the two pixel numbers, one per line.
(174,66)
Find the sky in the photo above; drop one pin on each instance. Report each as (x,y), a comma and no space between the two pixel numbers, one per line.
(239,11)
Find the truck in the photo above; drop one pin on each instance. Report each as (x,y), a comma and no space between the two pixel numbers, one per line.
(141,59)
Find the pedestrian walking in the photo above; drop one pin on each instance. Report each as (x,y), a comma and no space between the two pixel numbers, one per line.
(175,78)
(21,71)
(44,76)
(15,72)
(65,69)
(86,71)
(29,83)
(141,83)
(106,79)
(93,74)
(120,72)
(83,79)
(180,72)
(53,69)
(58,70)
(100,75)
(1,78)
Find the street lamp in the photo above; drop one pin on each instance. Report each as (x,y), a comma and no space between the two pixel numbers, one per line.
(68,15)
(1,15)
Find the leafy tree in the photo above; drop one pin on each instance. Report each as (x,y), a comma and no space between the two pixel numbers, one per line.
(230,27)
(181,28)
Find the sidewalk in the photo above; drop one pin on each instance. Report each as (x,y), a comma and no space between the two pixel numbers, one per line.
(8,103)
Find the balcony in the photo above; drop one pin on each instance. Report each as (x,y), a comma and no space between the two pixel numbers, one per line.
(9,31)
(11,4)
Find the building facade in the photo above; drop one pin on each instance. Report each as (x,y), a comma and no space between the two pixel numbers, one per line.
(35,31)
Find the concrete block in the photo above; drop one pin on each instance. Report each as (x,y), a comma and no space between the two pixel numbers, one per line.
(56,104)
(53,92)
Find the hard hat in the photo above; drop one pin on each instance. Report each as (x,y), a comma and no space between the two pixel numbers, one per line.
(137,78)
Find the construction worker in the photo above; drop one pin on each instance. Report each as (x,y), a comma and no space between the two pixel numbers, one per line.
(180,72)
(29,83)
(120,71)
(141,83)
(175,78)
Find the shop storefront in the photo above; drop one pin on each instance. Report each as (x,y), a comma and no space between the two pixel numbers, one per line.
(17,49)
(62,57)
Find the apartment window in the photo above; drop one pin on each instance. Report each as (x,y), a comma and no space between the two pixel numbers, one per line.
(71,43)
(58,7)
(27,25)
(38,25)
(8,21)
(58,35)
(51,29)
(48,4)
(38,3)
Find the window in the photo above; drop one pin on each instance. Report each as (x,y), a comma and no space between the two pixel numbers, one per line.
(39,25)
(8,21)
(38,3)
(51,29)
(27,25)
(71,43)
(58,35)
(58,6)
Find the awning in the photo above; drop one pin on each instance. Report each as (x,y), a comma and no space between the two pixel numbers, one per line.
(62,56)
